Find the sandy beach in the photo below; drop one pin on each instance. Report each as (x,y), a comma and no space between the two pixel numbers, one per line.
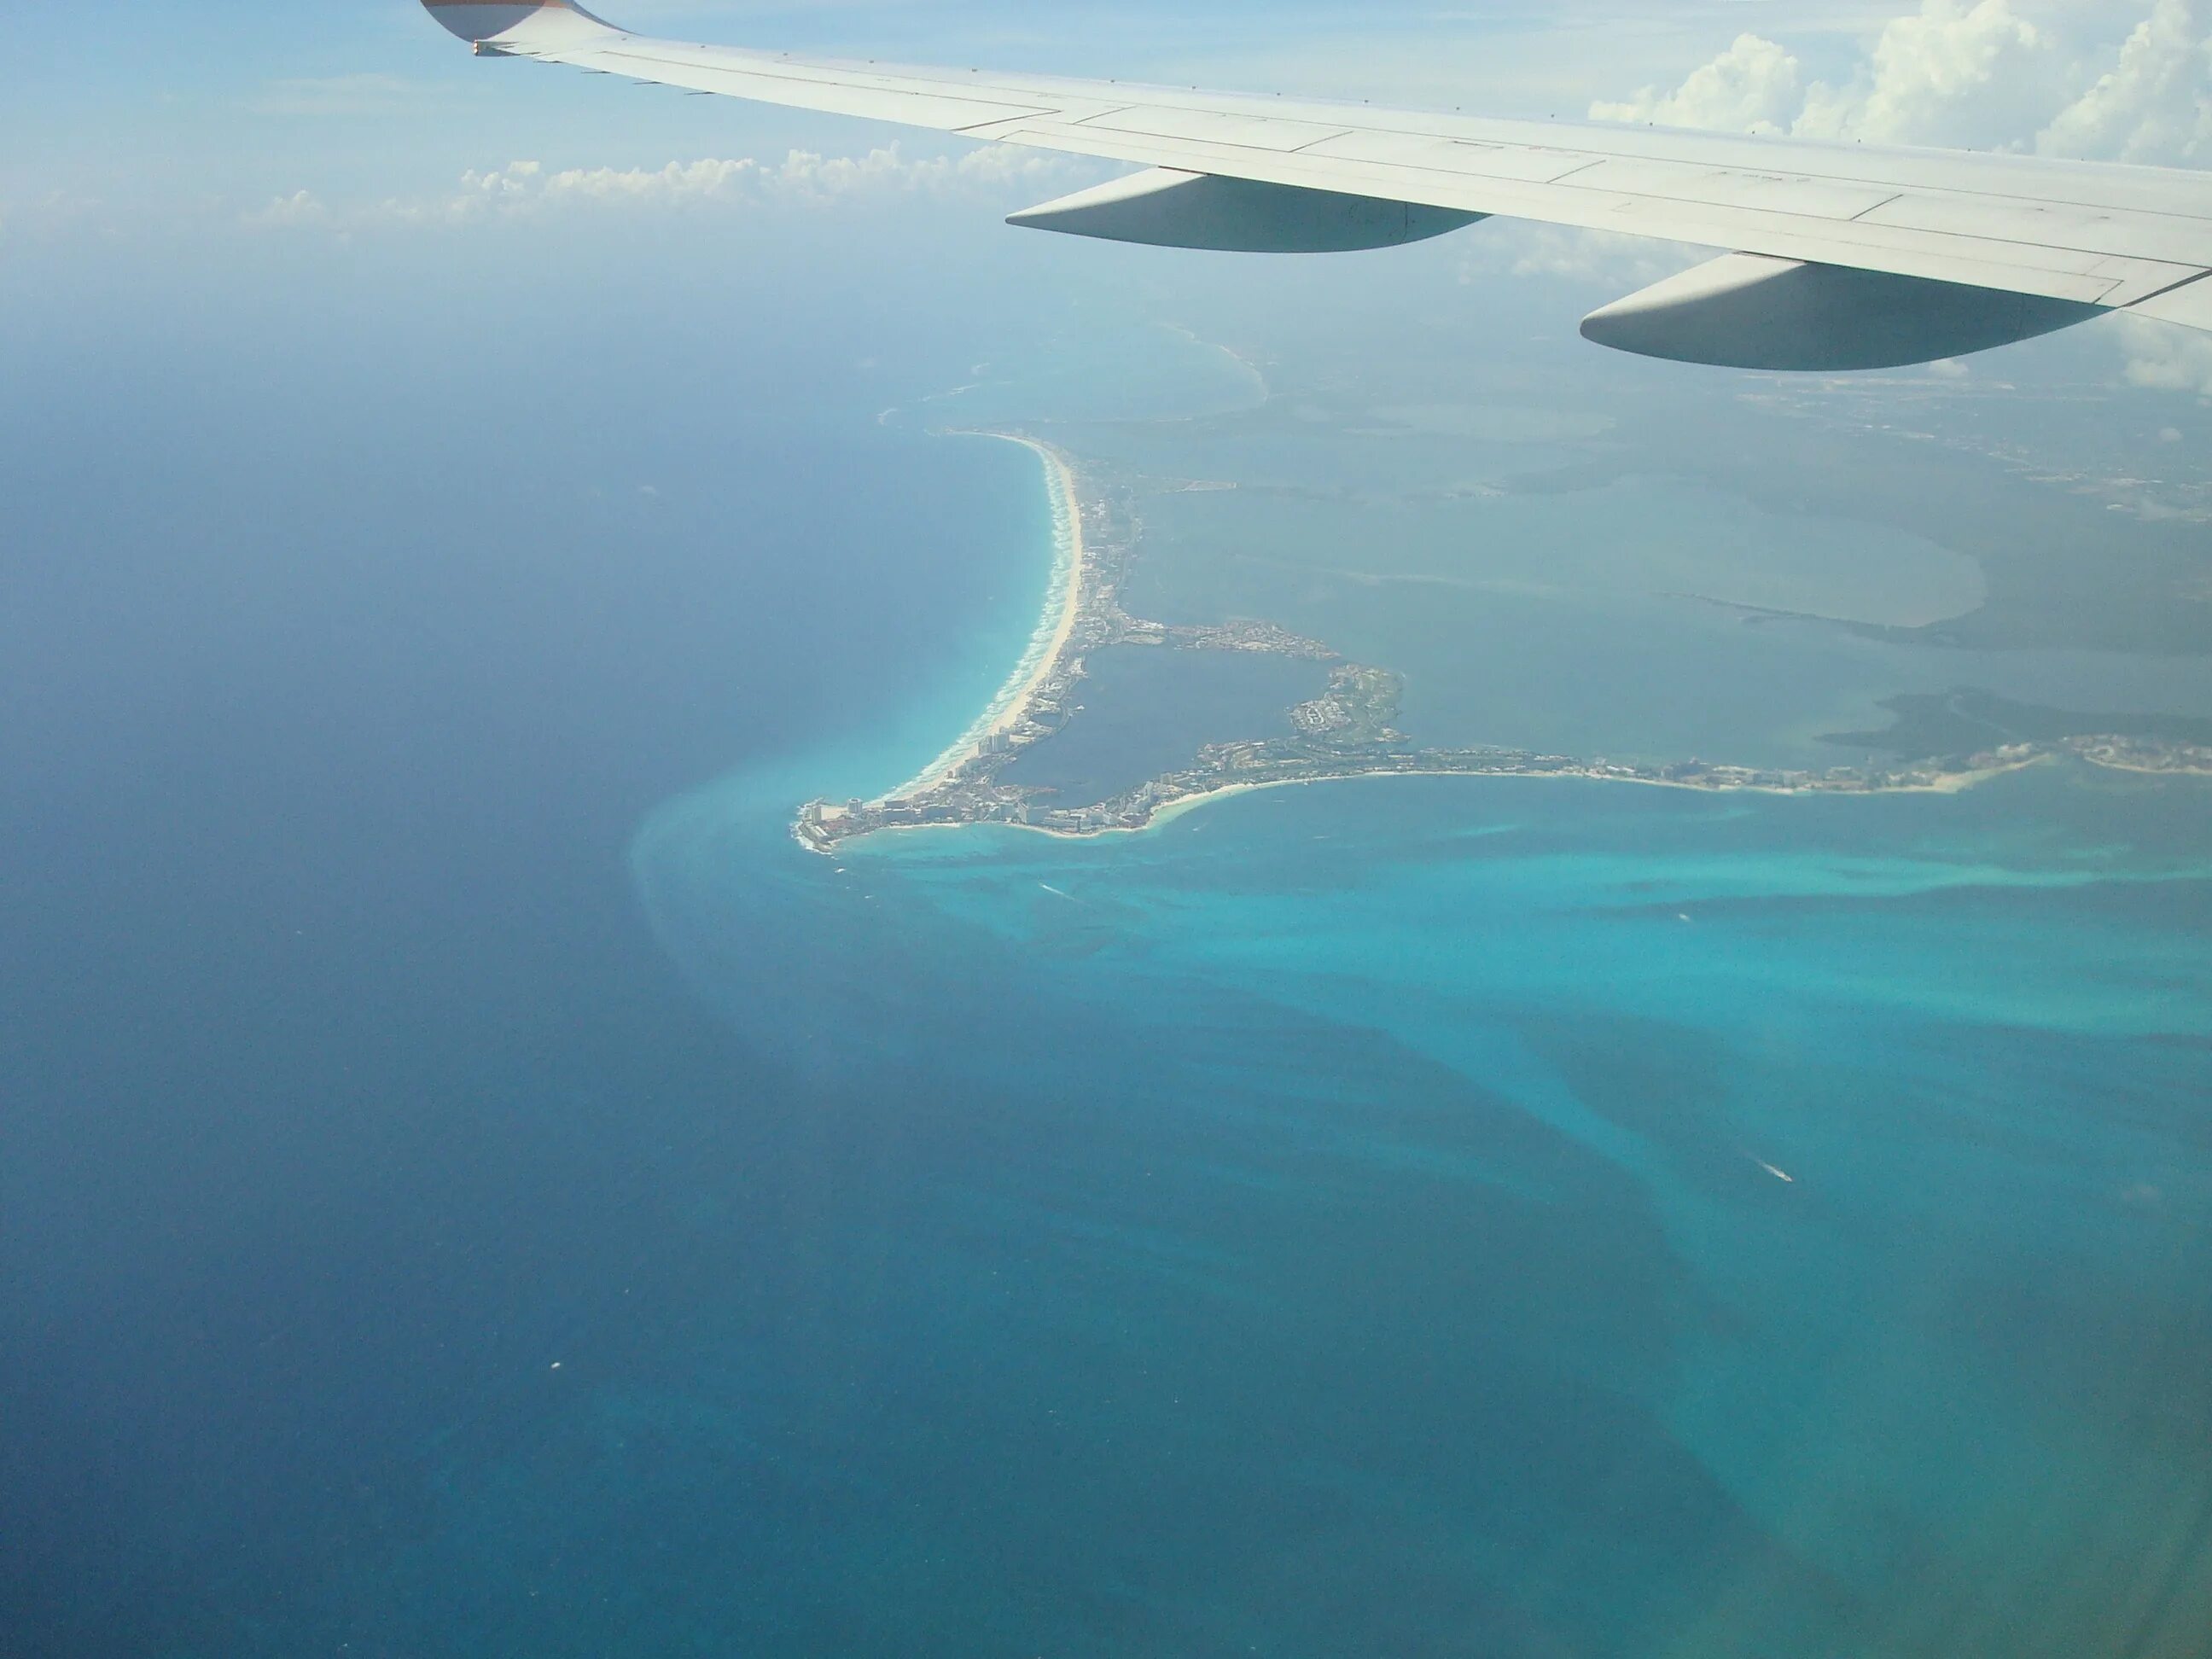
(1063,607)
(1951,784)
(1068,506)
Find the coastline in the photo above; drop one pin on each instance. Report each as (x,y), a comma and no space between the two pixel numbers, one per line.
(1947,783)
(1063,607)
(1952,783)
(1348,732)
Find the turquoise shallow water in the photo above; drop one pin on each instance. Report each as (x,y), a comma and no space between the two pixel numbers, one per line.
(1435,1216)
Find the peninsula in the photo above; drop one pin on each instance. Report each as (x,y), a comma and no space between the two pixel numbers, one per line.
(1350,731)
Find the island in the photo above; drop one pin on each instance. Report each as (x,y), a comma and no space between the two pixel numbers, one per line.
(1348,732)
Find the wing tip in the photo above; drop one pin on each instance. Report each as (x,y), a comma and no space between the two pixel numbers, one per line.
(489,20)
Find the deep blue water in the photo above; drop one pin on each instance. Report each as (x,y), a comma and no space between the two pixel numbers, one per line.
(340,1075)
(473,1185)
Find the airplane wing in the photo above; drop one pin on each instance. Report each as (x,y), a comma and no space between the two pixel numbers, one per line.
(1838,256)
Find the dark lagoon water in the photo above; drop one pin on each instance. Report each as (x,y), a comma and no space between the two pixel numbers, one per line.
(1146,711)
(472,1185)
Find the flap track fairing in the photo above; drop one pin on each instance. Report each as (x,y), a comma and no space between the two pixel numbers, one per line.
(1165,207)
(1748,310)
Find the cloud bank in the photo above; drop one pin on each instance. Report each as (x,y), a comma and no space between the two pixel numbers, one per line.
(2071,80)
(2163,359)
(2156,104)
(525,189)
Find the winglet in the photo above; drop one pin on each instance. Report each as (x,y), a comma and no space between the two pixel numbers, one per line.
(481,20)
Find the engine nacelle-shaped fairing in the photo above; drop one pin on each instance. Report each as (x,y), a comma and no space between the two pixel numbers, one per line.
(1165,207)
(1748,310)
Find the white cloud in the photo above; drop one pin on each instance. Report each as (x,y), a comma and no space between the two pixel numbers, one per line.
(802,175)
(1755,86)
(2156,104)
(2066,77)
(54,214)
(300,208)
(1948,75)
(1518,247)
(529,189)
(2161,358)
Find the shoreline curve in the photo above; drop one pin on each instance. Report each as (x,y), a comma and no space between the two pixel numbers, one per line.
(1055,626)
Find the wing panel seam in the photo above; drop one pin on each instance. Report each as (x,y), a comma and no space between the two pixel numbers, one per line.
(1876,208)
(2171,288)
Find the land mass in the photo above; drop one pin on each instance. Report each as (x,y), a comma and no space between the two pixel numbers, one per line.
(1953,722)
(1940,743)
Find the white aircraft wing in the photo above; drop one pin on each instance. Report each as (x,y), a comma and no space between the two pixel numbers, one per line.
(1839,256)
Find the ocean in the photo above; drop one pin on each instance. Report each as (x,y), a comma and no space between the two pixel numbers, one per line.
(474,1185)
(1448,1216)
